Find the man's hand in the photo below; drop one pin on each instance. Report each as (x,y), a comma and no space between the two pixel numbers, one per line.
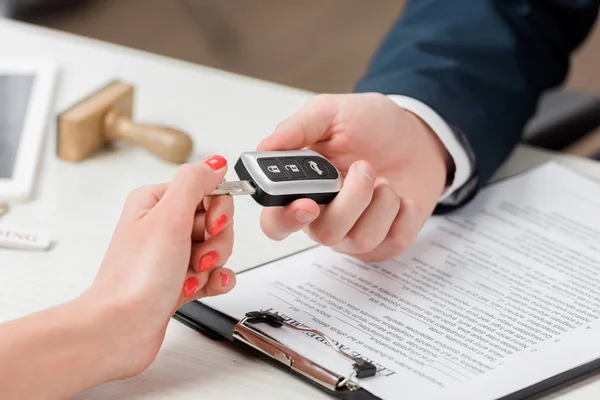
(395,171)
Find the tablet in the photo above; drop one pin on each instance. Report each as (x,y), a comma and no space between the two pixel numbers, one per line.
(26,94)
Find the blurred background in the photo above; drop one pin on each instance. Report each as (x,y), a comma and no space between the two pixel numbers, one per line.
(316,45)
(322,46)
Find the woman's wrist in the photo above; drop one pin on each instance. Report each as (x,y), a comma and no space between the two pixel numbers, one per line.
(65,348)
(91,328)
(129,339)
(98,326)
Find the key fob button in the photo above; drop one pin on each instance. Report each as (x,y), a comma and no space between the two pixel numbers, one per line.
(316,167)
(273,169)
(292,168)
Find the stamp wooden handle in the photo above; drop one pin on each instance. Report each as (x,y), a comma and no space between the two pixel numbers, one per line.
(167,143)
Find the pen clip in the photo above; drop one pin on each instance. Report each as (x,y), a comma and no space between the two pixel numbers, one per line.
(246,333)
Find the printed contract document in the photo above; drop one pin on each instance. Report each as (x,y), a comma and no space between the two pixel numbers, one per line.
(492,299)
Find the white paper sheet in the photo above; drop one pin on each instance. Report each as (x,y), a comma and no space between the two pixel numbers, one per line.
(490,300)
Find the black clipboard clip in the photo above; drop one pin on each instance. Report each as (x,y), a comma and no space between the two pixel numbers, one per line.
(245,332)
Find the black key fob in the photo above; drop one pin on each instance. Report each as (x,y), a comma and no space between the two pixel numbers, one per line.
(280,177)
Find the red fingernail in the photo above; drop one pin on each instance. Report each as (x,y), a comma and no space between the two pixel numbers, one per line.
(216,162)
(190,286)
(224,279)
(219,225)
(207,261)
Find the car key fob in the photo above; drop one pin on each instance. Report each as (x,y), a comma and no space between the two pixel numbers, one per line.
(277,178)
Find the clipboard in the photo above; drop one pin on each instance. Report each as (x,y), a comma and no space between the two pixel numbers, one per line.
(244,335)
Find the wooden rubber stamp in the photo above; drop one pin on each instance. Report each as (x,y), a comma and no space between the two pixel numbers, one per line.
(106,116)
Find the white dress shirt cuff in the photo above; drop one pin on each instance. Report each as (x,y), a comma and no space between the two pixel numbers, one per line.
(462,163)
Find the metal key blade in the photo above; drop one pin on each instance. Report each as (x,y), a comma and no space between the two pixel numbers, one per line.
(234,188)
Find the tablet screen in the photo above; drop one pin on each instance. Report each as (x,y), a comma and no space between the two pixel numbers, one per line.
(15,92)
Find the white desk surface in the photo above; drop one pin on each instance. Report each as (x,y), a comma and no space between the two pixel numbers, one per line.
(78,204)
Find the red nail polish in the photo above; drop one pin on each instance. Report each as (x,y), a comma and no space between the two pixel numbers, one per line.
(219,225)
(216,162)
(224,279)
(207,261)
(190,286)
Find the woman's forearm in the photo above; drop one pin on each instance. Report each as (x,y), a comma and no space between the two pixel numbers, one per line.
(55,353)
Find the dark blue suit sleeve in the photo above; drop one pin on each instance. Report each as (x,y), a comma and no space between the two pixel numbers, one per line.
(481,64)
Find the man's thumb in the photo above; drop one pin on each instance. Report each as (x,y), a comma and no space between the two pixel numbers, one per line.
(307,126)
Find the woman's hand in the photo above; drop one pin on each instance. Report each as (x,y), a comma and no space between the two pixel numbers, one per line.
(168,248)
(395,172)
